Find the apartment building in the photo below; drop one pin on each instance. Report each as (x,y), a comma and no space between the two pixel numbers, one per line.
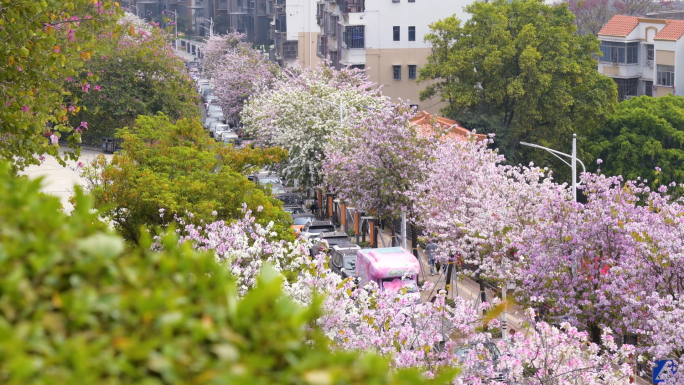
(194,15)
(644,56)
(252,18)
(384,37)
(294,31)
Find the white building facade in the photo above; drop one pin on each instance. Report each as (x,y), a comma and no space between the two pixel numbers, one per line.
(384,37)
(644,56)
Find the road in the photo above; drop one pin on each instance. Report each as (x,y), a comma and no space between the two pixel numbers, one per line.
(59,180)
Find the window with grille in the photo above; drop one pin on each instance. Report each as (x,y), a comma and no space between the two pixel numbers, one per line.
(396,33)
(413,70)
(332,26)
(665,75)
(614,52)
(396,72)
(649,52)
(412,34)
(354,36)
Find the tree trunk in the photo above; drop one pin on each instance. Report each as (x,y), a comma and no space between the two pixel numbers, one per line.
(594,333)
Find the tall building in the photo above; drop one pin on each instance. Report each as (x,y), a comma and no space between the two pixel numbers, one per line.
(252,18)
(295,33)
(644,56)
(384,37)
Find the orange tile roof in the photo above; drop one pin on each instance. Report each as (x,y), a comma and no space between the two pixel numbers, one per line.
(673,30)
(426,123)
(619,25)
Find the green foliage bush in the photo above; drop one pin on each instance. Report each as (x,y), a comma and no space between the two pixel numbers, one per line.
(76,309)
(644,133)
(137,76)
(177,168)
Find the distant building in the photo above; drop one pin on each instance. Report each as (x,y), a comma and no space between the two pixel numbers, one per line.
(194,14)
(644,56)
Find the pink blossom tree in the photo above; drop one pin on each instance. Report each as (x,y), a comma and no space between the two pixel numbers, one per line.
(375,162)
(238,72)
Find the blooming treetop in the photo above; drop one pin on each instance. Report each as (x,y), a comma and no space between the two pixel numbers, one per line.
(431,335)
(239,71)
(616,260)
(475,207)
(302,114)
(377,160)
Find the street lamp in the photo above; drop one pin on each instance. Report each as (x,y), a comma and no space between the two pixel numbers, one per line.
(175,24)
(572,164)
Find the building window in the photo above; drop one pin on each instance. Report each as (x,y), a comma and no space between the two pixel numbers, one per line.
(411,1)
(412,71)
(395,1)
(412,34)
(413,107)
(354,36)
(358,67)
(627,88)
(614,52)
(396,72)
(396,33)
(665,75)
(649,52)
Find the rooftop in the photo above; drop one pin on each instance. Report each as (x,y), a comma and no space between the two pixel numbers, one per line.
(673,30)
(619,25)
(426,124)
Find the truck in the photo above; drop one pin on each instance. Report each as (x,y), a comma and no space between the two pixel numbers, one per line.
(392,268)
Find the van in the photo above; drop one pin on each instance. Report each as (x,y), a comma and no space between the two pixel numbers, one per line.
(391,268)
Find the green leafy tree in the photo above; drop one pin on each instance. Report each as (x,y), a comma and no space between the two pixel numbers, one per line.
(517,69)
(139,75)
(75,308)
(45,42)
(174,169)
(643,134)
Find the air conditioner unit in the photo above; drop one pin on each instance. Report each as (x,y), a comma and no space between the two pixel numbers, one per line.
(649,63)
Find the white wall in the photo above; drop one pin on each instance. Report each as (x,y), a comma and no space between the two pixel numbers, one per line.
(420,14)
(679,68)
(301,17)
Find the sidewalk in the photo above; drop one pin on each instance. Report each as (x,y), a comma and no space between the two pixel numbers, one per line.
(60,181)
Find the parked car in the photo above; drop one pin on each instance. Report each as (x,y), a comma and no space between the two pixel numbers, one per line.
(208,120)
(301,220)
(291,199)
(276,188)
(212,127)
(229,137)
(206,93)
(211,99)
(267,177)
(312,229)
(213,108)
(218,115)
(294,209)
(220,129)
(343,259)
(325,240)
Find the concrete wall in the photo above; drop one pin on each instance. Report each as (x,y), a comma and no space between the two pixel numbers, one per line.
(306,49)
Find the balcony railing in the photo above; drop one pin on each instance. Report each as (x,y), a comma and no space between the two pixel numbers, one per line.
(290,50)
(352,6)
